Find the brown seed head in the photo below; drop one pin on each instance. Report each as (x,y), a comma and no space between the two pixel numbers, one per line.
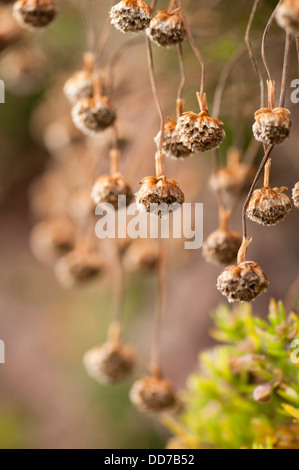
(222,246)
(159,191)
(172,147)
(153,395)
(242,283)
(79,85)
(93,116)
(200,132)
(269,206)
(78,267)
(296,195)
(131,16)
(272,126)
(110,363)
(287,16)
(166,29)
(107,189)
(34,14)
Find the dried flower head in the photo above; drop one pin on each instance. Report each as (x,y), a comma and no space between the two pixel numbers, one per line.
(272,126)
(110,363)
(141,256)
(131,16)
(154,395)
(263,393)
(51,239)
(9,30)
(222,246)
(172,147)
(269,206)
(287,16)
(167,28)
(296,195)
(242,283)
(200,132)
(159,195)
(93,115)
(79,266)
(34,14)
(107,189)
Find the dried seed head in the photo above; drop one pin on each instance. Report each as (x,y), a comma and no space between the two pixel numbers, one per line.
(269,206)
(34,14)
(93,116)
(79,85)
(110,363)
(107,189)
(222,246)
(166,29)
(79,267)
(263,393)
(287,16)
(172,147)
(272,126)
(159,195)
(200,132)
(9,30)
(296,195)
(131,16)
(141,256)
(242,283)
(52,239)
(154,395)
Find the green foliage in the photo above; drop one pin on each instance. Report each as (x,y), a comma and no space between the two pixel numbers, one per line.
(223,406)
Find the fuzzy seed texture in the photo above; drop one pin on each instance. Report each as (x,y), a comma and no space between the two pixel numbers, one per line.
(107,189)
(200,132)
(287,16)
(295,194)
(80,85)
(269,206)
(153,395)
(79,266)
(131,16)
(172,147)
(272,127)
(158,196)
(93,116)
(166,29)
(222,246)
(34,14)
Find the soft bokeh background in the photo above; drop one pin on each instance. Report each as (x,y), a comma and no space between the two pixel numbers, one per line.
(46,398)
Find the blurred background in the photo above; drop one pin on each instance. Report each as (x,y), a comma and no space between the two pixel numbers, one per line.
(46,398)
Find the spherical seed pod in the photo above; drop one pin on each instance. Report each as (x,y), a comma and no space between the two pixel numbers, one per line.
(107,189)
(263,393)
(141,257)
(80,84)
(287,16)
(272,127)
(153,395)
(222,246)
(93,115)
(159,195)
(110,363)
(9,30)
(166,29)
(51,239)
(79,267)
(172,147)
(34,14)
(269,206)
(295,193)
(131,16)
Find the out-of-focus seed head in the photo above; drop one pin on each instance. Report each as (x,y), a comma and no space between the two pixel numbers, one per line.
(295,194)
(159,195)
(153,395)
(263,393)
(287,16)
(107,189)
(110,363)
(79,267)
(131,16)
(172,147)
(167,29)
(34,14)
(79,85)
(141,257)
(93,116)
(243,282)
(272,127)
(269,206)
(9,30)
(222,246)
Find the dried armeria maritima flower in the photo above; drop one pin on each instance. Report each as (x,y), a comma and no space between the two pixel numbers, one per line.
(80,84)
(159,195)
(153,395)
(172,147)
(107,189)
(295,193)
(287,15)
(272,126)
(131,16)
(93,115)
(222,246)
(268,206)
(167,28)
(35,14)
(200,132)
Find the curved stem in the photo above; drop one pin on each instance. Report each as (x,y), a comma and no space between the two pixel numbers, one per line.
(183,81)
(251,53)
(268,26)
(285,70)
(89,26)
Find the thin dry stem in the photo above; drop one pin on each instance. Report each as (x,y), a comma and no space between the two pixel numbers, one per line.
(267,173)
(271,85)
(268,26)
(89,26)
(243,250)
(180,102)
(285,70)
